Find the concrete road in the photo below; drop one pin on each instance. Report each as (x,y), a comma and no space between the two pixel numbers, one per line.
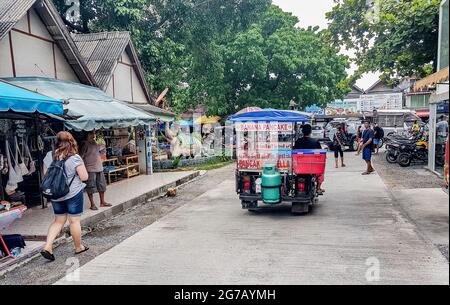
(356,235)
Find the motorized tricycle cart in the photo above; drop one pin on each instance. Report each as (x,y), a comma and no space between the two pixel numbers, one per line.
(269,171)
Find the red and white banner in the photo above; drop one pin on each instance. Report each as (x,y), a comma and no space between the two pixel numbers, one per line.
(262,143)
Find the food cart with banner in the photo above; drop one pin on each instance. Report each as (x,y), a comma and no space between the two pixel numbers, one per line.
(268,170)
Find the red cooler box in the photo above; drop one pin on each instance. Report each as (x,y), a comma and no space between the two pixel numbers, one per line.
(309,161)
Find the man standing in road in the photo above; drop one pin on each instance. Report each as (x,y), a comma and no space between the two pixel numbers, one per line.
(378,136)
(90,152)
(367,147)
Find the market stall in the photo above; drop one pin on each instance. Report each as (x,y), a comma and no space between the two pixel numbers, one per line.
(120,128)
(120,155)
(24,129)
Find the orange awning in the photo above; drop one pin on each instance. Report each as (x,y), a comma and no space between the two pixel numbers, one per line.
(433,79)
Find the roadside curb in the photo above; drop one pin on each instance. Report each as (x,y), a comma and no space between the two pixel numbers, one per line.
(94,219)
(117,209)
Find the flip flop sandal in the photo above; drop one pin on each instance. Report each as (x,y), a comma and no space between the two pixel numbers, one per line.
(82,251)
(47,255)
(106,205)
(94,208)
(366,173)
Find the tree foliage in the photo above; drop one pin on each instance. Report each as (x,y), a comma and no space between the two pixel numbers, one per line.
(396,37)
(223,54)
(274,62)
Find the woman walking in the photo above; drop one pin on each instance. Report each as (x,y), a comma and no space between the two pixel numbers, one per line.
(69,207)
(338,140)
(359,138)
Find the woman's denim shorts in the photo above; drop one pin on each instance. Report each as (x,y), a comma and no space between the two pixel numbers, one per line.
(72,207)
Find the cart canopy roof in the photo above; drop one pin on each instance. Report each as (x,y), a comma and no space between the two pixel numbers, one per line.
(272,115)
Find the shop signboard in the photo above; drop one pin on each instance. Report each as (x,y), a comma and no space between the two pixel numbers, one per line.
(259,143)
(342,107)
(370,102)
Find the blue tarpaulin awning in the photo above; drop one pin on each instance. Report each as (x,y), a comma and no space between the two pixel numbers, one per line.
(93,107)
(272,115)
(14,98)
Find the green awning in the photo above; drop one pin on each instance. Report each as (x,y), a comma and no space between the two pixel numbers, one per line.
(91,106)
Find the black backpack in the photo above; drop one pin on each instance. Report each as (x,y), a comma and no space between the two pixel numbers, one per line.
(54,184)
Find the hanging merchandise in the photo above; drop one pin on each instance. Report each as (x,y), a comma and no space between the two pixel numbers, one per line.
(26,157)
(32,163)
(33,145)
(14,177)
(20,128)
(5,126)
(140,133)
(130,148)
(40,144)
(17,177)
(19,158)
(4,168)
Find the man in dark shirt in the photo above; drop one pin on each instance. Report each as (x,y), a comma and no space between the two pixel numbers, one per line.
(306,142)
(378,136)
(367,147)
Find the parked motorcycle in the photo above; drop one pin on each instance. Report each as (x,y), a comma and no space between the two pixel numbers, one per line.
(396,145)
(392,152)
(417,152)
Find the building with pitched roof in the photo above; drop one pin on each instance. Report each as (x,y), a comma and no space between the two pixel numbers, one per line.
(114,63)
(35,42)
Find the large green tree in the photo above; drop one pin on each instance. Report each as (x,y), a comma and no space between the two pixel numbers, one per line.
(269,64)
(396,37)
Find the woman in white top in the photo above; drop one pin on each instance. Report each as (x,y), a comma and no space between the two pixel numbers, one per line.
(70,207)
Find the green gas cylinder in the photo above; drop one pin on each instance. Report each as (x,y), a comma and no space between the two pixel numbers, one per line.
(271,184)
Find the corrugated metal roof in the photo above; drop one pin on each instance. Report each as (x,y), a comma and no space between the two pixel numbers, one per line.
(11,11)
(101,51)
